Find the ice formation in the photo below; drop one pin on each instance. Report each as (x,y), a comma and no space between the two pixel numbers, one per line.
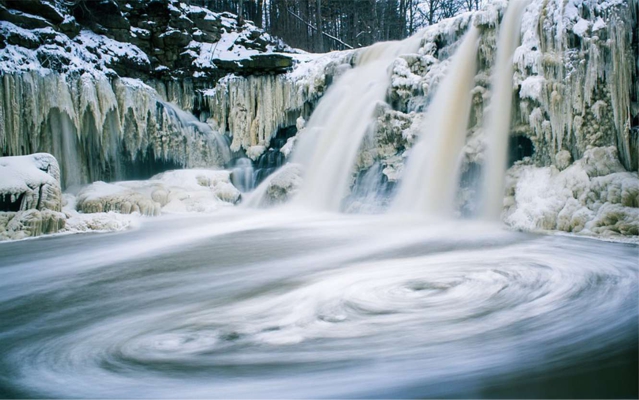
(251,109)
(574,82)
(178,191)
(594,195)
(95,125)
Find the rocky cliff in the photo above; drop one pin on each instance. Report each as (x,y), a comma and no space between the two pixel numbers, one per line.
(102,85)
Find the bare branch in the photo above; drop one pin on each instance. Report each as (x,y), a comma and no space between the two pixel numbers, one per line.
(315,29)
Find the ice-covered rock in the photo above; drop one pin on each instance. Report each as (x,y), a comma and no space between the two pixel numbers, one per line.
(278,188)
(251,109)
(30,182)
(170,192)
(30,196)
(29,223)
(595,195)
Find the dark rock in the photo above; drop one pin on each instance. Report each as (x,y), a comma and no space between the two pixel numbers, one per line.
(26,21)
(107,13)
(182,23)
(206,37)
(17,39)
(70,27)
(268,62)
(41,8)
(176,38)
(121,35)
(52,57)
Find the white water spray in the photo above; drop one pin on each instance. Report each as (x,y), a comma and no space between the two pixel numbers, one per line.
(498,115)
(431,177)
(329,146)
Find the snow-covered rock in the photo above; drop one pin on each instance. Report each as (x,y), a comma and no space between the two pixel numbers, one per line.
(30,182)
(170,192)
(30,196)
(278,188)
(595,195)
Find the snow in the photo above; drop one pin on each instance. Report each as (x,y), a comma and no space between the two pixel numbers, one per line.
(36,176)
(110,48)
(532,87)
(178,191)
(598,25)
(594,196)
(581,27)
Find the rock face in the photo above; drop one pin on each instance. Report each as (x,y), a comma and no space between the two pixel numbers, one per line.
(141,39)
(30,196)
(104,89)
(575,109)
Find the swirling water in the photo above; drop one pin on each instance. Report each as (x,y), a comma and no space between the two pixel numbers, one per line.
(272,304)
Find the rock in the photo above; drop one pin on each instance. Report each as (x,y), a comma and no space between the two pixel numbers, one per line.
(268,62)
(70,27)
(30,182)
(19,39)
(278,188)
(601,161)
(175,191)
(30,196)
(40,8)
(257,64)
(104,197)
(107,13)
(23,20)
(563,159)
(175,38)
(34,223)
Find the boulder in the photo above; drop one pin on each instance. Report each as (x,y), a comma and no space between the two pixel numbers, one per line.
(42,8)
(30,196)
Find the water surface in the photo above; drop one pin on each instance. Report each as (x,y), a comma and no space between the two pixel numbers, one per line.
(286,304)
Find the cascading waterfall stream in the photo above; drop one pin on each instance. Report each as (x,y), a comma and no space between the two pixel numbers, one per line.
(187,121)
(329,146)
(498,114)
(431,177)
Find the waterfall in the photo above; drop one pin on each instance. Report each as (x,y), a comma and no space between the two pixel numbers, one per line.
(242,174)
(65,148)
(329,145)
(187,122)
(498,113)
(431,177)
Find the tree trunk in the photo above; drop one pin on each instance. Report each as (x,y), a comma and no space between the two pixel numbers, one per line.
(320,32)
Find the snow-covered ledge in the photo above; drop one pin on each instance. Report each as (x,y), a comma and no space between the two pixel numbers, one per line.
(30,196)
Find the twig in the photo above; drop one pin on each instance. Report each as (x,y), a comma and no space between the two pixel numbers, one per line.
(314,28)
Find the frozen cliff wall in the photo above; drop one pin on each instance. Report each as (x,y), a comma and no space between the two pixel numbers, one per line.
(577,77)
(65,79)
(98,127)
(576,80)
(252,109)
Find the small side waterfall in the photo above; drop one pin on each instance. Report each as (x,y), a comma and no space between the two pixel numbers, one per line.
(431,178)
(498,114)
(187,121)
(329,145)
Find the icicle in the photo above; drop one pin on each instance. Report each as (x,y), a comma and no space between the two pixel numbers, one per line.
(87,121)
